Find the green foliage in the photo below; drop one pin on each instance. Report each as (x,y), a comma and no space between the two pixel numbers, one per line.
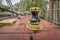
(4,6)
(5,12)
(16,6)
(30,3)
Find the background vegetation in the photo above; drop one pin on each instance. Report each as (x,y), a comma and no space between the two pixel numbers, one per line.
(27,5)
(30,3)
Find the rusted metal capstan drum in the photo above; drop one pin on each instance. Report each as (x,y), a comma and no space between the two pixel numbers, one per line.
(35,21)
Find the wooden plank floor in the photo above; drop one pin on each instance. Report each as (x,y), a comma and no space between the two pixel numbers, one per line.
(18,31)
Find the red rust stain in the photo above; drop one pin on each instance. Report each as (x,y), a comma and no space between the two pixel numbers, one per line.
(20,26)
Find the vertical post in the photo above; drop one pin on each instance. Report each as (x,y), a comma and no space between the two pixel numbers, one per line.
(51,10)
(54,13)
(56,19)
(57,11)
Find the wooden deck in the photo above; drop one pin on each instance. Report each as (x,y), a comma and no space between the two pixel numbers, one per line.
(18,31)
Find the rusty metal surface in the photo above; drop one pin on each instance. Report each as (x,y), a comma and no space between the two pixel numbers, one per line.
(18,31)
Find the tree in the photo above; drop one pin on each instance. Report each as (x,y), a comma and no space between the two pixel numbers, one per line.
(30,3)
(4,7)
(16,6)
